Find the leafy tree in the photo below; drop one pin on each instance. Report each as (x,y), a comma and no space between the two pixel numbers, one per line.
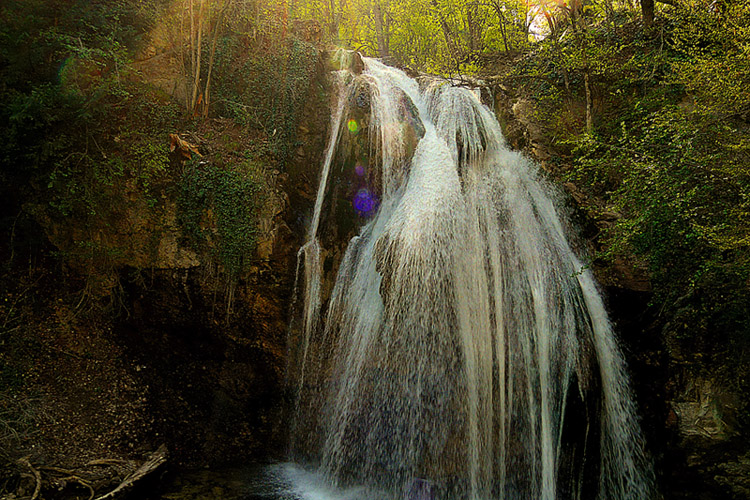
(440,36)
(668,153)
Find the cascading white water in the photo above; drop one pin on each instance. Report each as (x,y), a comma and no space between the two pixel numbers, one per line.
(464,347)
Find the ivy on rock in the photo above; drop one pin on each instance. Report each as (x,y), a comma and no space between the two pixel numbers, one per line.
(218,210)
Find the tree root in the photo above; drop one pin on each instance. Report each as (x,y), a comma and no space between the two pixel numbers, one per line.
(110,461)
(56,469)
(37,477)
(157,459)
(80,481)
(92,477)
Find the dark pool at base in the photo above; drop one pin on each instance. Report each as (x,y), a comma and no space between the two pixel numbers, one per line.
(280,481)
(284,481)
(240,483)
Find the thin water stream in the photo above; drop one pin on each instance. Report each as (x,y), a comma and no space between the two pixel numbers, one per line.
(465,351)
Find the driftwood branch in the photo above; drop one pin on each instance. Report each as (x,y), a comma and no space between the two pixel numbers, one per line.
(91,480)
(109,461)
(184,148)
(155,461)
(82,482)
(37,477)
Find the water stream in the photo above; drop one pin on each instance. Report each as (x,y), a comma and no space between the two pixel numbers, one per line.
(464,351)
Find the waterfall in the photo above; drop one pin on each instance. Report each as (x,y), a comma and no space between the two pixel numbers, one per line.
(464,351)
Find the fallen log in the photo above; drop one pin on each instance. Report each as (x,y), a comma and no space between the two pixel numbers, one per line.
(183,147)
(155,461)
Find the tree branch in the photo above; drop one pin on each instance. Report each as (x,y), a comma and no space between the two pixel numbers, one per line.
(37,477)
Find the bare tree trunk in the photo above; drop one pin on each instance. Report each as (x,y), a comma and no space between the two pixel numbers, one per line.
(181,52)
(341,16)
(589,104)
(501,16)
(578,23)
(378,14)
(197,68)
(526,24)
(472,28)
(554,35)
(647,7)
(502,31)
(452,46)
(334,22)
(215,36)
(192,34)
(188,92)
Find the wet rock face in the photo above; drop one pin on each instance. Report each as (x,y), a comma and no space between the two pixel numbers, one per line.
(705,410)
(706,455)
(690,402)
(212,381)
(357,183)
(708,452)
(210,352)
(359,161)
(203,354)
(213,352)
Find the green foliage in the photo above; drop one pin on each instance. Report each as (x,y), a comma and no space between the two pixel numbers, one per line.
(79,126)
(37,37)
(218,209)
(669,153)
(686,206)
(712,55)
(85,138)
(437,36)
(58,138)
(265,87)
